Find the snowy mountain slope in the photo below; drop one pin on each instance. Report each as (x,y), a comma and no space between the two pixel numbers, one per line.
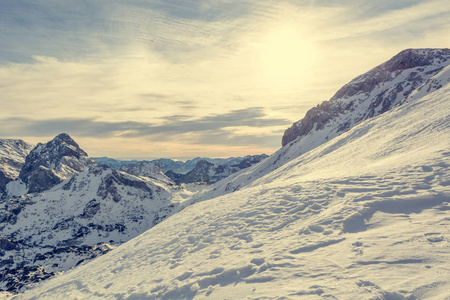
(366,96)
(363,216)
(12,158)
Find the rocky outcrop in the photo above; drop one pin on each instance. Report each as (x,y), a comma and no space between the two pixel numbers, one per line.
(372,93)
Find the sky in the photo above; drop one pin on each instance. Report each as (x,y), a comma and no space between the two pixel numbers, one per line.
(180,79)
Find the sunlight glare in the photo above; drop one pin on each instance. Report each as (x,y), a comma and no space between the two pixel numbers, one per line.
(286,56)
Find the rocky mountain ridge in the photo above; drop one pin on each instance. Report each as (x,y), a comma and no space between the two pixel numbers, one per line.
(149,170)
(371,94)
(167,164)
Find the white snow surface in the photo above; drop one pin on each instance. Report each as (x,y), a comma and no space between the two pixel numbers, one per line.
(363,216)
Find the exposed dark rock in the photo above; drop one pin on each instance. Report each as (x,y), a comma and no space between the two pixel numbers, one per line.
(201,173)
(7,245)
(15,278)
(4,180)
(250,160)
(66,224)
(92,207)
(42,179)
(82,231)
(110,182)
(174,176)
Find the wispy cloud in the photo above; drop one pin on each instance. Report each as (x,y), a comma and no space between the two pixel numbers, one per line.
(214,129)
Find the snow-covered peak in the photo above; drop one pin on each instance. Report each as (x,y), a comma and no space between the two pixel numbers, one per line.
(386,72)
(372,93)
(14,148)
(48,164)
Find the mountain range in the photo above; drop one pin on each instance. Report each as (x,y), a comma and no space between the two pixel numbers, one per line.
(176,166)
(207,172)
(353,206)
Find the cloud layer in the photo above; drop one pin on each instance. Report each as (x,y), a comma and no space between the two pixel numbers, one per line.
(209,127)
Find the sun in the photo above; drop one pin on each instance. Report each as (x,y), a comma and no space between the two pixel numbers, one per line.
(286,56)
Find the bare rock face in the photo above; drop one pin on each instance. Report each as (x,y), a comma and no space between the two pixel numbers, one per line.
(372,93)
(48,164)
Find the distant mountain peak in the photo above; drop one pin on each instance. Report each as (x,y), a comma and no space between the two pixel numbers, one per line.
(64,137)
(63,142)
(50,163)
(207,172)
